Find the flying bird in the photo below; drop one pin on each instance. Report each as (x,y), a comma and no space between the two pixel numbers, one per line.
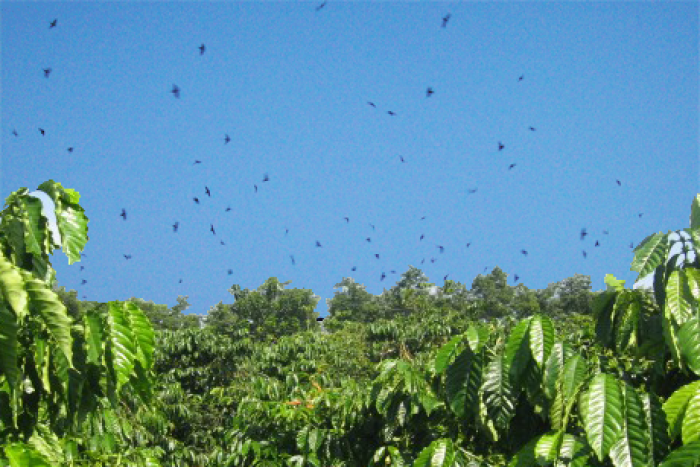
(511,166)
(532,128)
(500,146)
(369,240)
(468,244)
(123,214)
(372,104)
(286,231)
(347,220)
(471,191)
(516,278)
(402,159)
(354,268)
(422,261)
(318,244)
(521,77)
(293,261)
(422,236)
(14,132)
(180,281)
(391,113)
(176,91)
(82,268)
(318,8)
(196,200)
(83,282)
(266,178)
(441,248)
(70,149)
(583,233)
(53,23)
(524,252)
(128,257)
(175,226)
(197,162)
(206,190)
(256,188)
(585,255)
(376,255)
(605,232)
(641,214)
(211,228)
(41,130)
(202,48)
(228,209)
(422,218)
(445,19)
(371,225)
(383,277)
(47,72)
(445,278)
(429,92)
(432,260)
(227,139)
(222,242)
(230,271)
(618,183)
(597,243)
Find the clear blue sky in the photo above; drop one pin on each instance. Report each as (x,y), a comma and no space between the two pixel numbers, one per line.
(611,89)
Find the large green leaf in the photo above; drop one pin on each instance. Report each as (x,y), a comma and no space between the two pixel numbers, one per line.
(518,353)
(650,253)
(695,221)
(574,452)
(45,303)
(692,276)
(690,428)
(675,407)
(440,453)
(12,287)
(94,336)
(568,384)
(676,302)
(123,348)
(685,456)
(497,395)
(525,457)
(143,331)
(689,343)
(601,408)
(632,448)
(8,345)
(463,381)
(561,352)
(655,420)
(22,455)
(446,353)
(476,337)
(70,218)
(541,338)
(547,448)
(34,225)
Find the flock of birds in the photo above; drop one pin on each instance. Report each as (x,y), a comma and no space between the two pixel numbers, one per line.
(176,92)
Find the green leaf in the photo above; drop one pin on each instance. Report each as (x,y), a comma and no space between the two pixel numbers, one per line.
(689,343)
(8,345)
(649,254)
(561,351)
(676,302)
(476,337)
(45,303)
(655,420)
(547,448)
(695,221)
(541,338)
(518,354)
(601,408)
(675,407)
(440,453)
(22,455)
(690,428)
(614,284)
(122,343)
(574,452)
(446,353)
(685,456)
(143,331)
(463,381)
(94,336)
(570,378)
(497,395)
(70,219)
(632,447)
(525,457)
(12,287)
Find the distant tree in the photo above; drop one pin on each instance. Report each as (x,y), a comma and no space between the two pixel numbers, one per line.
(571,295)
(493,294)
(351,302)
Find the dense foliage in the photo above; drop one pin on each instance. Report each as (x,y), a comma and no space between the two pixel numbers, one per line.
(421,375)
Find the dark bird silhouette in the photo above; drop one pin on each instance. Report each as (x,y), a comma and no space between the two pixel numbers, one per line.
(597,243)
(83,282)
(206,190)
(180,281)
(468,244)
(369,240)
(293,261)
(123,214)
(256,188)
(532,128)
(347,220)
(441,248)
(422,218)
(471,191)
(318,244)
(371,225)
(422,261)
(196,200)
(211,228)
(393,271)
(376,255)
(511,166)
(429,92)
(176,91)
(618,183)
(631,245)
(641,214)
(422,236)
(524,252)
(354,268)
(521,77)
(197,162)
(53,23)
(230,271)
(445,278)
(372,104)
(175,226)
(70,149)
(516,278)
(222,242)
(445,20)
(14,132)
(500,146)
(227,139)
(202,48)
(383,277)
(128,257)
(402,159)
(432,260)
(583,233)
(286,231)
(82,268)
(266,178)
(228,209)
(318,8)
(605,232)
(41,130)
(585,255)
(47,72)
(391,113)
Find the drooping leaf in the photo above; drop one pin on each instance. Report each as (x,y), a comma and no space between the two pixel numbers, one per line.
(497,395)
(463,381)
(476,337)
(689,343)
(121,339)
(12,287)
(45,303)
(657,426)
(570,379)
(440,453)
(687,455)
(446,353)
(70,219)
(547,448)
(649,254)
(143,331)
(676,302)
(632,448)
(690,428)
(675,407)
(8,345)
(614,284)
(541,338)
(601,409)
(518,353)
(574,452)
(561,352)
(692,276)
(525,457)
(23,455)
(94,335)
